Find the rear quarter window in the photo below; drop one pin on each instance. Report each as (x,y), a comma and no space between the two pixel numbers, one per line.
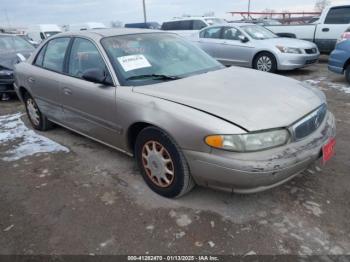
(40,57)
(55,54)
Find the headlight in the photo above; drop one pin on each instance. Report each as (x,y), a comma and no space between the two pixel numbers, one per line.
(289,50)
(249,142)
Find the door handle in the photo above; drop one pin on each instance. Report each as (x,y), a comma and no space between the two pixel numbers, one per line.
(67,91)
(325,30)
(31,80)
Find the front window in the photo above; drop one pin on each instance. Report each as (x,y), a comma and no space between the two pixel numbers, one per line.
(258,32)
(231,33)
(142,59)
(83,57)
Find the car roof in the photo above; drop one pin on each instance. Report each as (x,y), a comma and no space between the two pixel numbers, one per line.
(175,19)
(102,33)
(229,25)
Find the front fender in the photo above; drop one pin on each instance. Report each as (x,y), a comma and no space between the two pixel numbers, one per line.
(186,125)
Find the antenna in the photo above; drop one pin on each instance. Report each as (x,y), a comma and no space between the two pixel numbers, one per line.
(7,17)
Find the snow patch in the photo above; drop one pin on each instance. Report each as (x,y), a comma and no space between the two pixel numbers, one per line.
(12,128)
(325,83)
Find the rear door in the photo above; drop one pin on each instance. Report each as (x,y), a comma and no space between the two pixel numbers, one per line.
(210,41)
(88,107)
(335,23)
(44,77)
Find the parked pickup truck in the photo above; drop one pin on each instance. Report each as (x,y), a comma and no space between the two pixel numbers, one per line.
(333,22)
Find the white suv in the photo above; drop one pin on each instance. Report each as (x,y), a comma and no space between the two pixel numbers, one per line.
(187,26)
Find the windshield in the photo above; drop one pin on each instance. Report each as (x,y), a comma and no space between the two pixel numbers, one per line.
(141,59)
(258,32)
(215,21)
(12,43)
(49,34)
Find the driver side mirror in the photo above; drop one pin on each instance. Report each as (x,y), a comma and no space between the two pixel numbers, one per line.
(97,75)
(243,38)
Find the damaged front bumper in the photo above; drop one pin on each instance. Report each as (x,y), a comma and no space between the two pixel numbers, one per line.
(259,171)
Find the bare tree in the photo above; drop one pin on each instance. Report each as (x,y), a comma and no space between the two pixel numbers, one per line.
(321,4)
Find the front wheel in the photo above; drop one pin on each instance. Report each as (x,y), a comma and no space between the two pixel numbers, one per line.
(162,163)
(265,62)
(36,118)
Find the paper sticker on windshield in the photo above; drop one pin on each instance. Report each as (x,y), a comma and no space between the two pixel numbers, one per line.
(133,62)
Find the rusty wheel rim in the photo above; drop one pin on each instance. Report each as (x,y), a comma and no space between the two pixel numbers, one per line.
(158,164)
(33,112)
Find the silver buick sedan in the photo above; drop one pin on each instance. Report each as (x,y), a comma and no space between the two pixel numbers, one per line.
(254,46)
(185,118)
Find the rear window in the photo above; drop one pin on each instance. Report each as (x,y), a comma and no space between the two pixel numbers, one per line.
(338,15)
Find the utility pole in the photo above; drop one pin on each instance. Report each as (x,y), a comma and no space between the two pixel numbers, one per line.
(144,11)
(248,9)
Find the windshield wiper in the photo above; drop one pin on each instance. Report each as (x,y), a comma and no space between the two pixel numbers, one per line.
(155,76)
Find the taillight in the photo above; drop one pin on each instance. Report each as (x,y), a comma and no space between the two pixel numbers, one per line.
(344,36)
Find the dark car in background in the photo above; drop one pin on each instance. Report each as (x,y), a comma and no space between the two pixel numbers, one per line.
(12,48)
(148,25)
(339,59)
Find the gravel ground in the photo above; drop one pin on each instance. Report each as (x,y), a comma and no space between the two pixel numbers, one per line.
(62,193)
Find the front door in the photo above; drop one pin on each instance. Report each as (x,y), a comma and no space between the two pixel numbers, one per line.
(233,50)
(89,108)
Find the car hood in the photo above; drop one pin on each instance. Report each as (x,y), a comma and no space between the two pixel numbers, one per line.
(290,42)
(250,99)
(9,59)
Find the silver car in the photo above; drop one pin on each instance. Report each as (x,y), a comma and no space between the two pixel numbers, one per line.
(254,46)
(185,118)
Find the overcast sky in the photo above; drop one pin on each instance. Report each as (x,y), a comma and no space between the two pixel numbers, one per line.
(26,12)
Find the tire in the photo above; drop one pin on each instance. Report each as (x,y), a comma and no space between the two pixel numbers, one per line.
(40,121)
(265,62)
(347,73)
(162,164)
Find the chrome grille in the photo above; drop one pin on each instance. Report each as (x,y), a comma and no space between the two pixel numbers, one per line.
(310,123)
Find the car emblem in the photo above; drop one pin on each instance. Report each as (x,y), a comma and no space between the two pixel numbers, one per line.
(317,120)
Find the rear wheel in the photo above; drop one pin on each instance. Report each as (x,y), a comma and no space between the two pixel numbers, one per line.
(162,163)
(265,62)
(36,118)
(347,73)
